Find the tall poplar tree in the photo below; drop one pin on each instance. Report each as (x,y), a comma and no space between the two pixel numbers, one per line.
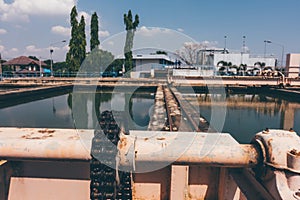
(94,41)
(130,28)
(77,44)
(71,60)
(82,40)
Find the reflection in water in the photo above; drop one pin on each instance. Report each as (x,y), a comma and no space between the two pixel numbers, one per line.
(261,104)
(248,114)
(52,112)
(79,110)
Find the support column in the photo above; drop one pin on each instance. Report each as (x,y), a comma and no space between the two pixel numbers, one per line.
(5,174)
(179,182)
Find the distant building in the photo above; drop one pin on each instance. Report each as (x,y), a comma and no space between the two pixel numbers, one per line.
(145,64)
(292,65)
(246,59)
(213,56)
(25,66)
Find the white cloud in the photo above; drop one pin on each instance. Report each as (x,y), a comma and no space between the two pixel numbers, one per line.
(145,31)
(8,54)
(2,31)
(58,54)
(66,31)
(60,30)
(20,10)
(206,43)
(104,33)
(199,45)
(33,49)
(14,50)
(180,30)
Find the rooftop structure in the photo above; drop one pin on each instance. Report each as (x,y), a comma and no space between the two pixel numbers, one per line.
(25,65)
(24,61)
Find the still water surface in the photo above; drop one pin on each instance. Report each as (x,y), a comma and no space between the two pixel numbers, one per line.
(245,114)
(57,112)
(248,114)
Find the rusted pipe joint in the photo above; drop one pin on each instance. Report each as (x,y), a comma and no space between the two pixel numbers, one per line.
(281,153)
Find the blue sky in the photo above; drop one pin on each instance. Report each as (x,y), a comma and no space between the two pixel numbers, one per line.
(28,27)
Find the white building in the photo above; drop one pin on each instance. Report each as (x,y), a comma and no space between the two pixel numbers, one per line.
(292,65)
(214,56)
(147,64)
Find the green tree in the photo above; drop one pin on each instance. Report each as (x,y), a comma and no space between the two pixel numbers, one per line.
(130,28)
(73,54)
(33,58)
(82,40)
(77,44)
(47,62)
(94,41)
(98,61)
(242,69)
(60,67)
(115,66)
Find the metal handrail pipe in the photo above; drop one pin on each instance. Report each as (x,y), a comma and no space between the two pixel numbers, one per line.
(45,144)
(190,148)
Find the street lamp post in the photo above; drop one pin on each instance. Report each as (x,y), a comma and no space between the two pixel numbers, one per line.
(0,67)
(282,51)
(51,52)
(51,62)
(243,49)
(265,50)
(40,65)
(244,44)
(225,43)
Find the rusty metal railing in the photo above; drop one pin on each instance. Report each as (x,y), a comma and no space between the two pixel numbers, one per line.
(269,167)
(69,144)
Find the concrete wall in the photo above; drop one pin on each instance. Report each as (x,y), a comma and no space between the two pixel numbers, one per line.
(192,72)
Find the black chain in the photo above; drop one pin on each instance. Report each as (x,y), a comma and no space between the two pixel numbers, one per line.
(103,178)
